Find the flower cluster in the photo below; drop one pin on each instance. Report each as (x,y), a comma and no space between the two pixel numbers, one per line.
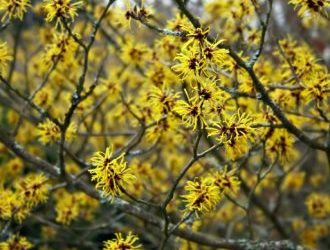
(50,132)
(61,10)
(232,128)
(203,194)
(4,58)
(111,174)
(71,206)
(27,193)
(129,242)
(13,9)
(310,7)
(33,189)
(226,181)
(318,205)
(16,242)
(197,54)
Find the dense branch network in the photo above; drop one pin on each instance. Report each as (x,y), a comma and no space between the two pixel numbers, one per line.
(166,122)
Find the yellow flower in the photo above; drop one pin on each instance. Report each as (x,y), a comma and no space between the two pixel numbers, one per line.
(179,22)
(196,36)
(312,235)
(294,181)
(50,132)
(61,9)
(33,189)
(285,98)
(212,95)
(309,237)
(12,205)
(191,112)
(226,181)
(136,54)
(13,9)
(167,47)
(17,243)
(14,167)
(5,204)
(215,55)
(313,7)
(281,144)
(317,87)
(165,130)
(162,99)
(63,48)
(4,58)
(159,74)
(67,208)
(233,128)
(317,179)
(301,57)
(138,12)
(236,149)
(202,195)
(43,98)
(191,64)
(111,174)
(71,132)
(122,243)
(318,205)
(13,117)
(87,206)
(144,172)
(110,85)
